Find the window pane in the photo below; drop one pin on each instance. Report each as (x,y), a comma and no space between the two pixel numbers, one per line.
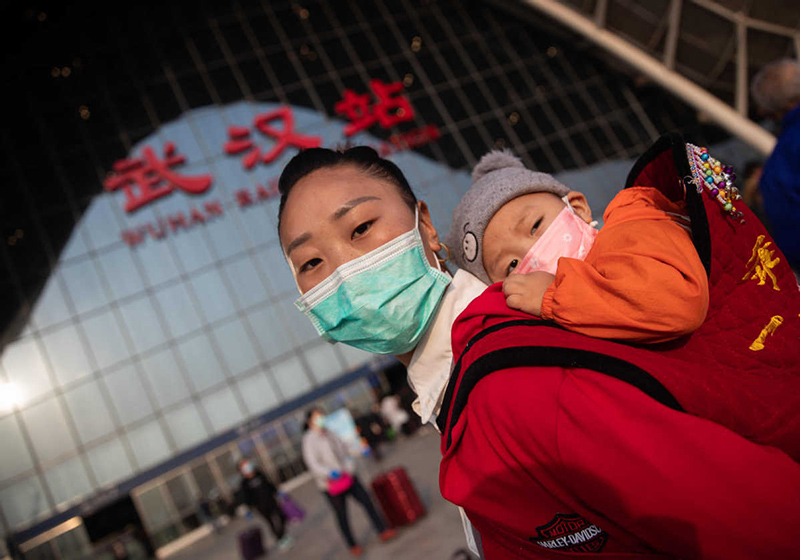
(142,324)
(106,339)
(26,369)
(15,457)
(192,250)
(67,355)
(291,377)
(121,272)
(299,324)
(226,240)
(128,394)
(153,508)
(186,426)
(201,362)
(84,286)
(47,429)
(68,480)
(324,362)
(181,494)
(236,347)
(246,282)
(179,311)
(165,378)
(109,462)
(100,222)
(50,308)
(274,264)
(149,444)
(222,409)
(213,295)
(204,478)
(257,393)
(89,410)
(159,265)
(227,465)
(23,501)
(354,357)
(270,332)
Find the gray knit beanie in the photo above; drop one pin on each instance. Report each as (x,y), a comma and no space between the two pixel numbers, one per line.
(499,177)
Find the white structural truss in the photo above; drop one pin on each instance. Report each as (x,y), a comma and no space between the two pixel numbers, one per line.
(704,51)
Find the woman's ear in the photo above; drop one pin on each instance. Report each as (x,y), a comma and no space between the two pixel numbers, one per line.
(429,235)
(580,205)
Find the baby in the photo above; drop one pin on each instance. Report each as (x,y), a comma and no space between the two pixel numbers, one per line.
(639,279)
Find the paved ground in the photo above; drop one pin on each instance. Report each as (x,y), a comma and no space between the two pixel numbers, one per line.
(436,537)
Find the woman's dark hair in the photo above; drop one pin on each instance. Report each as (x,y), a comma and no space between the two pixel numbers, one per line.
(364,158)
(309,413)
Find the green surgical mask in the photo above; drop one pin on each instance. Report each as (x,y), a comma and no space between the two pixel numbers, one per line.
(381,302)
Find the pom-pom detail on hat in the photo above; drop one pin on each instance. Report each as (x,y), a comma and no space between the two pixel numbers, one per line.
(495,160)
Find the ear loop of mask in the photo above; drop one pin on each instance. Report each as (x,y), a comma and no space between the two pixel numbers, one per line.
(565,198)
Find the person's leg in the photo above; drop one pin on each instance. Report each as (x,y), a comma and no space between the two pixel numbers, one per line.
(279,521)
(274,521)
(340,507)
(360,494)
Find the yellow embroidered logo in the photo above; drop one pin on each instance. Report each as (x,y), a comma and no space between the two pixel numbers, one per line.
(761,263)
(774,323)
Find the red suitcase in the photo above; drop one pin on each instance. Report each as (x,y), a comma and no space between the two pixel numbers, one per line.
(398,498)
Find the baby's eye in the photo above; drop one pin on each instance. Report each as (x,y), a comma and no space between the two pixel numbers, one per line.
(361,229)
(308,265)
(536,226)
(512,266)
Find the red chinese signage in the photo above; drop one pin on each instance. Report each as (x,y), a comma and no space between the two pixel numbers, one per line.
(388,111)
(149,177)
(240,140)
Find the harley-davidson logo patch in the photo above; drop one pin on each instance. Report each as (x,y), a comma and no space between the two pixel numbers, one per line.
(570,533)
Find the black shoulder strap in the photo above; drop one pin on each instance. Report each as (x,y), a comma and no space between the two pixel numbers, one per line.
(701,236)
(542,356)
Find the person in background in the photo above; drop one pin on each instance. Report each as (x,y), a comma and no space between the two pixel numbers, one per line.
(393,412)
(329,460)
(258,492)
(373,431)
(776,93)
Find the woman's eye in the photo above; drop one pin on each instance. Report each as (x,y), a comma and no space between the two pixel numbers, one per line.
(361,229)
(512,266)
(536,226)
(308,265)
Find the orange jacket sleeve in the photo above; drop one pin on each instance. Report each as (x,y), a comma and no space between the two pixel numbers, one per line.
(642,281)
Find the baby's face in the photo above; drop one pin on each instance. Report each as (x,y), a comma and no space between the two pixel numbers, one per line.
(514,229)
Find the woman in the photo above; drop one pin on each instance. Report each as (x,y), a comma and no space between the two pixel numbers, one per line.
(363,252)
(329,460)
(336,207)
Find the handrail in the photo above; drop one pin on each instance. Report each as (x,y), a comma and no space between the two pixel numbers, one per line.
(725,115)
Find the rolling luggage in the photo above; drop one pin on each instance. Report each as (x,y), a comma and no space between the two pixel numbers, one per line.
(251,544)
(398,498)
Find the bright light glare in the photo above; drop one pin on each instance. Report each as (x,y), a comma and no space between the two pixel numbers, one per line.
(10,396)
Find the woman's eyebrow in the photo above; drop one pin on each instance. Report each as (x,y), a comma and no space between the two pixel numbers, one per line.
(299,240)
(347,206)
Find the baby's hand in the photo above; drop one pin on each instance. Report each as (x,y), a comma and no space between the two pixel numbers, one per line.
(526,291)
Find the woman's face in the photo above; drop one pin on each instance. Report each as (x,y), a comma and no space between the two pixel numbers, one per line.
(335,215)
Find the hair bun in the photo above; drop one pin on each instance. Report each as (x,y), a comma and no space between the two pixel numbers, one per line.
(495,160)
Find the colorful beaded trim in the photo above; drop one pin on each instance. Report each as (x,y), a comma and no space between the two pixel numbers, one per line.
(711,176)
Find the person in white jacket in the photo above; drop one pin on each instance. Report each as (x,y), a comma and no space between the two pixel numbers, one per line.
(333,468)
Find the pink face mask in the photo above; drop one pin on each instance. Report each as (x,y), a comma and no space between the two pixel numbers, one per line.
(567,236)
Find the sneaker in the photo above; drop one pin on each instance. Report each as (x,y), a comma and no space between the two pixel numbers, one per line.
(356,550)
(388,535)
(285,543)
